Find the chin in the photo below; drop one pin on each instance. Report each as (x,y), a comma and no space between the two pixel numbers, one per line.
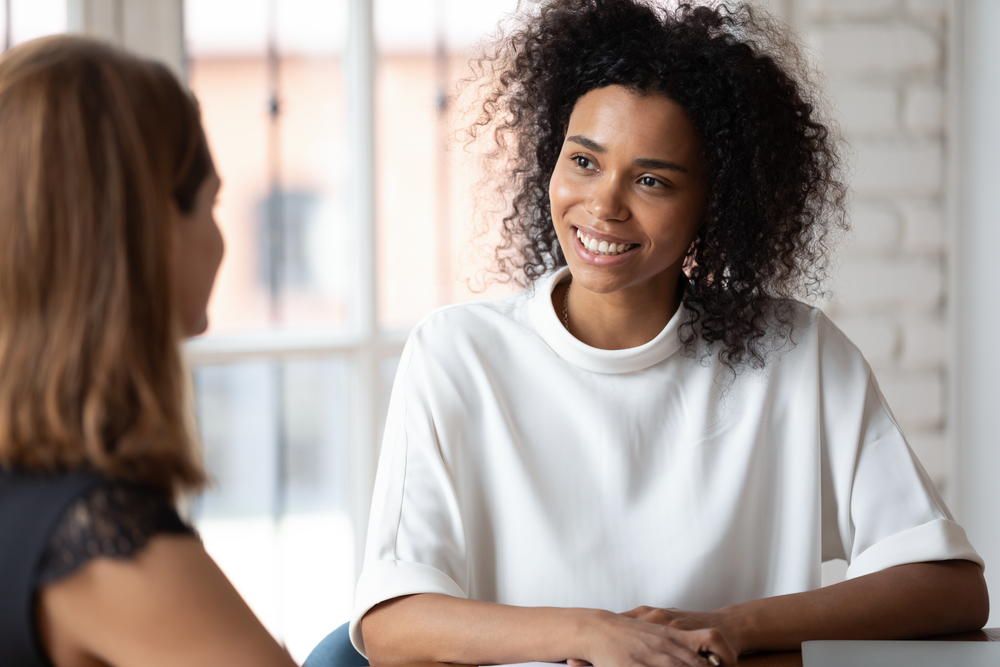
(197,327)
(596,279)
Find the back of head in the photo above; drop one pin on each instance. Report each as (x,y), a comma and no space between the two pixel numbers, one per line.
(93,144)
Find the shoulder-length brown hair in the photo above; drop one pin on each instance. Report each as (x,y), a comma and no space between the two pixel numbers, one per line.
(94,143)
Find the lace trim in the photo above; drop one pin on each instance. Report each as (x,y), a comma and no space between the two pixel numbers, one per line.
(113,520)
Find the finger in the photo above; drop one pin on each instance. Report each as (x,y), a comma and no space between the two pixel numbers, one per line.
(670,651)
(692,647)
(662,616)
(710,640)
(711,658)
(689,656)
(638,612)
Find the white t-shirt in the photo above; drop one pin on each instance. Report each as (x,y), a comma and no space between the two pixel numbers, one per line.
(524,467)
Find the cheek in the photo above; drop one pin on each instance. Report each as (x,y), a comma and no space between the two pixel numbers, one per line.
(218,246)
(561,194)
(198,252)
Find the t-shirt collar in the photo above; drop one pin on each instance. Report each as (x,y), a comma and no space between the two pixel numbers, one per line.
(550,328)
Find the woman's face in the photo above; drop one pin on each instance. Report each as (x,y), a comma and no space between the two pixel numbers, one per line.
(196,254)
(628,191)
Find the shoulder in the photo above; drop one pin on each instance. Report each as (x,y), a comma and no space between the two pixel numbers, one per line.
(813,349)
(829,343)
(798,326)
(170,589)
(489,320)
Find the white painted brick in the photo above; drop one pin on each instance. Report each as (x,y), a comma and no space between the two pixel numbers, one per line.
(923,110)
(826,9)
(866,111)
(899,167)
(924,343)
(932,11)
(924,227)
(916,398)
(875,229)
(908,283)
(833,572)
(876,336)
(931,448)
(850,50)
(780,9)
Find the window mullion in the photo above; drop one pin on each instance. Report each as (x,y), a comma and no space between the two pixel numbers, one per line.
(360,95)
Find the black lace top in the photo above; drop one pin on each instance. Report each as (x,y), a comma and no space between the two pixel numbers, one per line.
(50,526)
(113,520)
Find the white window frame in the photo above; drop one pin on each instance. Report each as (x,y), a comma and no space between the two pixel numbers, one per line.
(155,28)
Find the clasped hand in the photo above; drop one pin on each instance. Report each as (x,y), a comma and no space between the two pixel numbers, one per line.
(653,637)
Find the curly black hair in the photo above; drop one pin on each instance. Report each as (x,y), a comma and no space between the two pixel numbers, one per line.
(773,169)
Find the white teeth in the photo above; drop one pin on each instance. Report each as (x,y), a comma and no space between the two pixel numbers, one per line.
(601,247)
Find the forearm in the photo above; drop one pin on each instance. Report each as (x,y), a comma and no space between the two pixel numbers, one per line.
(915,600)
(440,628)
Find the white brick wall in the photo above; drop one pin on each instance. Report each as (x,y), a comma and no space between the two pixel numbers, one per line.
(885,66)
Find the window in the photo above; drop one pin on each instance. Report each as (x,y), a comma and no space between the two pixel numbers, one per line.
(329,262)
(27,19)
(273,378)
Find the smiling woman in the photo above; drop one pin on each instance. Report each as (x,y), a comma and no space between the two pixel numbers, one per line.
(645,458)
(631,175)
(771,167)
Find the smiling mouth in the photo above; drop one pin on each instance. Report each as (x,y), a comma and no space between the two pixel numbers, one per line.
(603,247)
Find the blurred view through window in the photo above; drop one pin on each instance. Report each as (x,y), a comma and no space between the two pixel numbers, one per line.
(429,254)
(291,386)
(21,20)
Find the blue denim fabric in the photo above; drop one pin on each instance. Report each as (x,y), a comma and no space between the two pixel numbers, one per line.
(335,651)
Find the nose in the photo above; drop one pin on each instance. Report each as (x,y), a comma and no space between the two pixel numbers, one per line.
(607,201)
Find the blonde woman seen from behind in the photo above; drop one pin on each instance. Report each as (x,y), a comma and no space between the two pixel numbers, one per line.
(108,252)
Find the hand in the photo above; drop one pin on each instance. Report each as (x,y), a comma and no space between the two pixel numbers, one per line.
(689,620)
(618,640)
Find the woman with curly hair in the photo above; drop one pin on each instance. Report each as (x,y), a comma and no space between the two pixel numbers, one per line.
(645,458)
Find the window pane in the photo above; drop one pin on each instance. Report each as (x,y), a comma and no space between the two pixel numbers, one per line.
(425,181)
(277,518)
(32,18)
(276,125)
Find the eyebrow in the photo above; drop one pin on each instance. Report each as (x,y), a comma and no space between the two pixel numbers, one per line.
(644,162)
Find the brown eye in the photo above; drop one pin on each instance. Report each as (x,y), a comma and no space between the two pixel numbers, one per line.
(582,162)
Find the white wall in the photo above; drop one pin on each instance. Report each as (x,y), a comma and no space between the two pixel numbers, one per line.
(977,283)
(885,63)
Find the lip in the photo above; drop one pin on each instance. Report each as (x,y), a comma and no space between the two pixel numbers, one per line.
(600,260)
(598,235)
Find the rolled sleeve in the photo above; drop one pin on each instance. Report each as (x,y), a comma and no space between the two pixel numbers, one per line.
(416,536)
(896,514)
(936,540)
(881,509)
(388,579)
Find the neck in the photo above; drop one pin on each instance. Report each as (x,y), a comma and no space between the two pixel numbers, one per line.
(620,320)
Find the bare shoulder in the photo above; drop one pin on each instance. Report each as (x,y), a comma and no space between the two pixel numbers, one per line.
(168,605)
